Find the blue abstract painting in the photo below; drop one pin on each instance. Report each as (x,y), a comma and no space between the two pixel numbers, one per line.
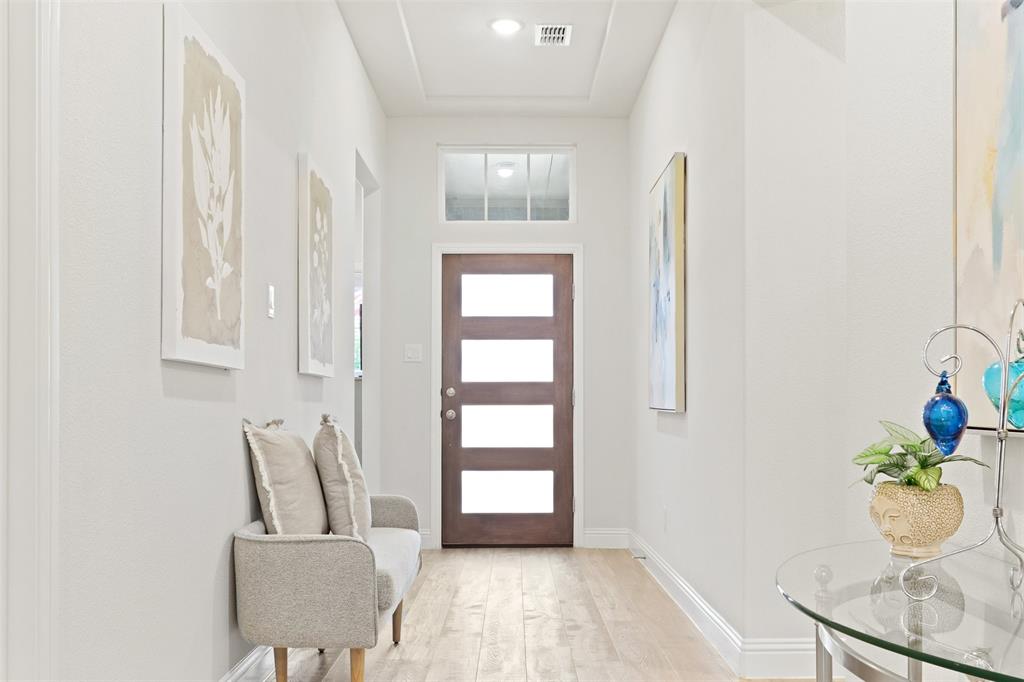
(989,183)
(667,350)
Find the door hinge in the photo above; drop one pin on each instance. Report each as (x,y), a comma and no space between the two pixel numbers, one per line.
(574,397)
(574,504)
(574,291)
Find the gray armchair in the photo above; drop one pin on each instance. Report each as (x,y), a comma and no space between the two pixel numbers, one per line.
(327,590)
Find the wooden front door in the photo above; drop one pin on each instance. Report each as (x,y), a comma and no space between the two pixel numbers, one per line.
(506,400)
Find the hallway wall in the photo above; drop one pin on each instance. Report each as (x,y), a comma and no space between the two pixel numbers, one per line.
(820,139)
(154,473)
(411,226)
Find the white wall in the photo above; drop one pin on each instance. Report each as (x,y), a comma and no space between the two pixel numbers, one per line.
(411,226)
(689,467)
(820,146)
(154,473)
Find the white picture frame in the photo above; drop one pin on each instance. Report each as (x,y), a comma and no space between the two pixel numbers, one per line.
(203,268)
(316,271)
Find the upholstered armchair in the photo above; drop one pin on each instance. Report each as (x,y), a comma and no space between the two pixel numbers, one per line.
(327,590)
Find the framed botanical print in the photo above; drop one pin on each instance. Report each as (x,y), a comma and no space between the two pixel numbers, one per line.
(316,276)
(203,306)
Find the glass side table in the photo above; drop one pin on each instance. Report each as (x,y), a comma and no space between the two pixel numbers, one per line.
(852,592)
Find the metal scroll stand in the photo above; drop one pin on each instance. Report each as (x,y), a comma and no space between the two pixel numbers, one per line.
(998,529)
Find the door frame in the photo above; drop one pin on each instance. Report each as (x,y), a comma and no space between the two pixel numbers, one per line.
(432,535)
(31,264)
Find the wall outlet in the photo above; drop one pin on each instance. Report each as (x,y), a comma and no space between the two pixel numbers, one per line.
(413,352)
(270,300)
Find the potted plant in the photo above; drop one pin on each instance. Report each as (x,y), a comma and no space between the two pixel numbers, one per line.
(915,512)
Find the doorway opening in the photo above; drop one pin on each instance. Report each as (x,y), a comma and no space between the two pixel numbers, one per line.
(366,320)
(507,399)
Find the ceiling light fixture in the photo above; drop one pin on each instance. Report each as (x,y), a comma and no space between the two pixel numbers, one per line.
(505,170)
(506,27)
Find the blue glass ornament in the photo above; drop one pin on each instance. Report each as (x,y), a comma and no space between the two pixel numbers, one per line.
(945,417)
(992,381)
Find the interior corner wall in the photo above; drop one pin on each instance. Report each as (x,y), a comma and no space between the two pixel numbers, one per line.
(411,228)
(154,474)
(820,255)
(689,499)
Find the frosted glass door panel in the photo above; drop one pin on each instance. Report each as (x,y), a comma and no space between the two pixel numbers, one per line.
(508,426)
(508,360)
(508,492)
(508,295)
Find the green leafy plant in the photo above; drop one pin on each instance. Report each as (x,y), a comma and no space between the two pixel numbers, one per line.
(906,457)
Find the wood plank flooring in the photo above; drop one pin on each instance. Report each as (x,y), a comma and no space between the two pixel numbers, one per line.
(519,615)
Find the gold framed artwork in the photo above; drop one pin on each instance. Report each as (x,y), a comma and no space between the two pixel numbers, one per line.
(989,184)
(667,288)
(203,307)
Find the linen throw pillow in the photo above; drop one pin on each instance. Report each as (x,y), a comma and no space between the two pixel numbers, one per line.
(286,480)
(341,475)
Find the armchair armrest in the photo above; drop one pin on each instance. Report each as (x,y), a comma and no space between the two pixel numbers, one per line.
(305,590)
(394,511)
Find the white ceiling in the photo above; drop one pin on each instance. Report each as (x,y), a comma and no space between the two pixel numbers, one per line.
(441,57)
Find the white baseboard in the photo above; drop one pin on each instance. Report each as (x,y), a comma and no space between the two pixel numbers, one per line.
(428,540)
(605,538)
(242,667)
(723,636)
(596,538)
(777,657)
(750,657)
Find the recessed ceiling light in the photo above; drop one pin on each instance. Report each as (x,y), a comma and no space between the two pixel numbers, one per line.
(506,27)
(505,169)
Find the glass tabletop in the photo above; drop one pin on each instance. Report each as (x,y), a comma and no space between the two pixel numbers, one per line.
(972,624)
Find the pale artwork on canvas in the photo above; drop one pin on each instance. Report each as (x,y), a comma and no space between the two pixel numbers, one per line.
(321,337)
(211,202)
(667,361)
(989,184)
(203,261)
(316,271)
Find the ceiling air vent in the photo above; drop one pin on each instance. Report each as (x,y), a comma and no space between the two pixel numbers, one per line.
(552,34)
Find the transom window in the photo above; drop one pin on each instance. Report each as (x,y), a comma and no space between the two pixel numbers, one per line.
(522,184)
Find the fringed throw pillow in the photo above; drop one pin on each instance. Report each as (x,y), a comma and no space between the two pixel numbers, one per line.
(286,480)
(341,475)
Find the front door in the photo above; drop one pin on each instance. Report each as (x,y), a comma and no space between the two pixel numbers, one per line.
(506,400)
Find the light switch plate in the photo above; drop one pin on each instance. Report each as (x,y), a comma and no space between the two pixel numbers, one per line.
(413,352)
(270,300)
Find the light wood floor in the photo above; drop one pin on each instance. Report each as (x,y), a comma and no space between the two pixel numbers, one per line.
(528,614)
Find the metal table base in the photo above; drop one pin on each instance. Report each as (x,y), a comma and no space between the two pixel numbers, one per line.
(830,647)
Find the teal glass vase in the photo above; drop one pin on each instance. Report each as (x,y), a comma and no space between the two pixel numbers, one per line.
(992,381)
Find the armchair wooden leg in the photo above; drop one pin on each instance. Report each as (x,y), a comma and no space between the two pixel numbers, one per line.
(357,659)
(396,624)
(281,663)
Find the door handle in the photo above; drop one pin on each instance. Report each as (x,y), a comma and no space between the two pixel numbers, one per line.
(450,415)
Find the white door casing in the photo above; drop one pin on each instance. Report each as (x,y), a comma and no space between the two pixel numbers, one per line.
(31,357)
